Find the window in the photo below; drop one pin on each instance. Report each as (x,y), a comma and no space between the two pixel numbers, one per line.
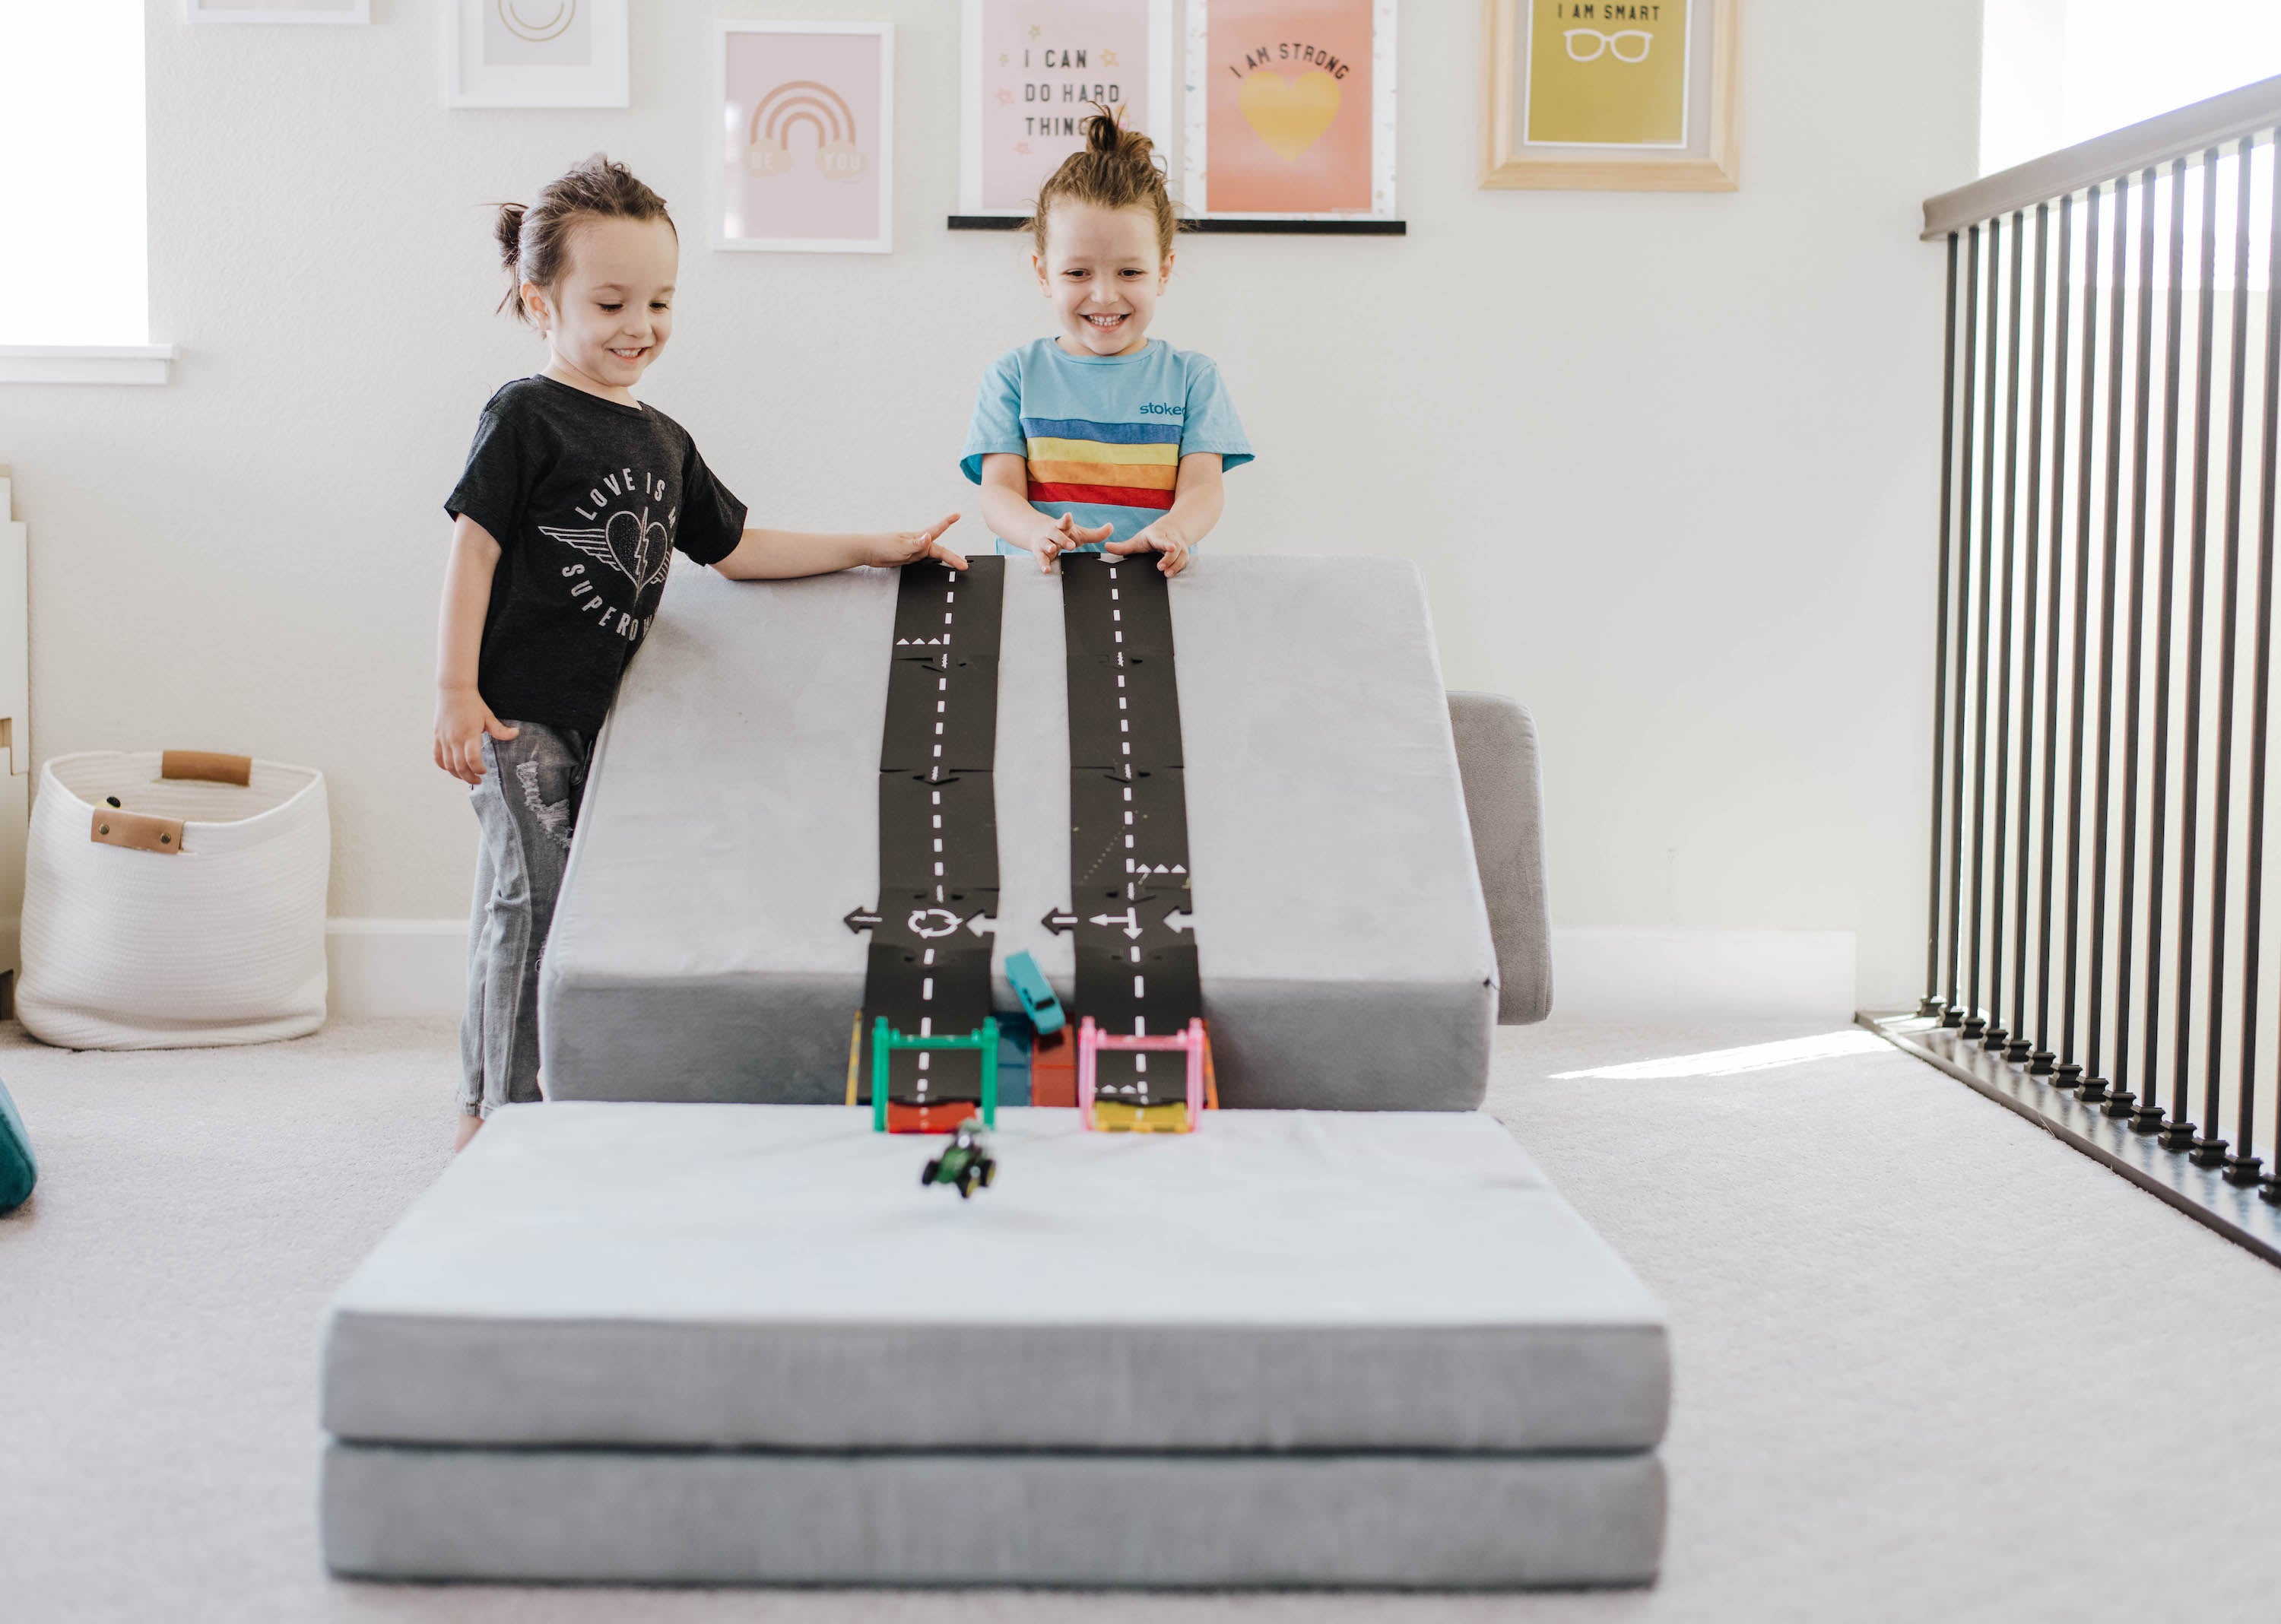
(74,266)
(2057,71)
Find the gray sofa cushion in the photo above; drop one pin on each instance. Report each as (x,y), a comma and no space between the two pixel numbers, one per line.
(608,1515)
(1505,804)
(738,1276)
(731,822)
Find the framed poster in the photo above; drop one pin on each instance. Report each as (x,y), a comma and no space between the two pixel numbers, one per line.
(279,11)
(806,134)
(1290,111)
(1033,71)
(535,53)
(1610,94)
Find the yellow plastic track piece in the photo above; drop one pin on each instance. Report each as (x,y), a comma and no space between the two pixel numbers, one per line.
(1112,1118)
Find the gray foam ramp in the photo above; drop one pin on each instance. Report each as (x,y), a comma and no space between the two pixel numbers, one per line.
(602,1516)
(724,1277)
(731,821)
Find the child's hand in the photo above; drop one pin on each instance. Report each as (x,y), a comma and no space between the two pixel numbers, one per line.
(909,546)
(1064,534)
(1158,537)
(463,720)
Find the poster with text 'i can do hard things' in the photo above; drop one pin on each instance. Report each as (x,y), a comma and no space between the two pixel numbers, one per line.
(1295,98)
(1036,69)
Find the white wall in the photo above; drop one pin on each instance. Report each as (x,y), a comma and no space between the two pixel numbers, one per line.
(1667,461)
(2023,80)
(2057,71)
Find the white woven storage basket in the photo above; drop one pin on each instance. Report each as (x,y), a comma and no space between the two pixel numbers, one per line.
(193,915)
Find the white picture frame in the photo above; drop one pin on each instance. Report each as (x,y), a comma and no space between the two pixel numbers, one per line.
(349,11)
(1160,128)
(496,51)
(736,109)
(1196,153)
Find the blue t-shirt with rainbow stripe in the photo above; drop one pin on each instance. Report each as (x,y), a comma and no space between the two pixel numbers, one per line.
(1103,433)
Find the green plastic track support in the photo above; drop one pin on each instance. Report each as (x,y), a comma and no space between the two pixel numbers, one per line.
(885,1039)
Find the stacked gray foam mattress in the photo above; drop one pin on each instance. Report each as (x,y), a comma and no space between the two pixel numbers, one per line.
(709,1343)
(731,824)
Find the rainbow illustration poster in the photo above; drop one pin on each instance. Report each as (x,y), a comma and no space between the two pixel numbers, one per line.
(1036,69)
(807,137)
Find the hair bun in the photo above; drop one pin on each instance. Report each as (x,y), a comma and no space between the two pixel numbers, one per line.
(508,230)
(1116,170)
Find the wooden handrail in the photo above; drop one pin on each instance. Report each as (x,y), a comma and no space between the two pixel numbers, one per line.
(2185,132)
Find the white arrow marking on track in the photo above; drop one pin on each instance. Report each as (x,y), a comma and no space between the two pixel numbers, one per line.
(1131,922)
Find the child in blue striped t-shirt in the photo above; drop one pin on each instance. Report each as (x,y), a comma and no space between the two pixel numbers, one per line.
(1102,435)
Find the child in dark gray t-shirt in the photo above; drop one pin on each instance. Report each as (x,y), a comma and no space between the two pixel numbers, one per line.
(574,499)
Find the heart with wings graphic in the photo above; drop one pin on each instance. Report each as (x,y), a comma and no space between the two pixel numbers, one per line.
(637,547)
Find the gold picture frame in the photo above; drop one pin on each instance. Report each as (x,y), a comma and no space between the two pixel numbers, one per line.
(1549,122)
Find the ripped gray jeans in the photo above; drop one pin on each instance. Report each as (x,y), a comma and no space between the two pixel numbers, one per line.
(528,805)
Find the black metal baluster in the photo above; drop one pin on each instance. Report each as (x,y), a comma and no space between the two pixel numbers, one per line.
(1975,1018)
(2149,1114)
(2070,1073)
(2254,891)
(1994,1035)
(1930,1004)
(1952,1014)
(2190,766)
(2094,1081)
(2019,1047)
(2039,1061)
(2120,1097)
(2242,1167)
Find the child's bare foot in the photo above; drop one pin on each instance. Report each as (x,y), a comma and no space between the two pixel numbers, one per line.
(469,1123)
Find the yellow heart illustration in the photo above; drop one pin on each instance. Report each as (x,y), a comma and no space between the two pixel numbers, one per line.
(1290,115)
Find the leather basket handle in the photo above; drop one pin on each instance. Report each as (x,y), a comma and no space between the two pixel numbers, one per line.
(136,831)
(210,765)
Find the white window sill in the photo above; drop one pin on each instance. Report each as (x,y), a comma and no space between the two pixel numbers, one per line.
(64,363)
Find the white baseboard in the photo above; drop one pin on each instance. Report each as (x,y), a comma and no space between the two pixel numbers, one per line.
(397,966)
(1616,974)
(420,967)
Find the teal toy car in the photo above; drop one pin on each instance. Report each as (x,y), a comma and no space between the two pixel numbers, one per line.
(1036,993)
(965,1161)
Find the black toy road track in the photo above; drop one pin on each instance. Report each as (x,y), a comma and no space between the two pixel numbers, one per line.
(929,972)
(1136,956)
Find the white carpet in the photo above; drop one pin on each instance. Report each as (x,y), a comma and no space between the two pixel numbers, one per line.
(1930,1363)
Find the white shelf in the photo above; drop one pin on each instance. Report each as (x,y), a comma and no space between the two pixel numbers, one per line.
(47,363)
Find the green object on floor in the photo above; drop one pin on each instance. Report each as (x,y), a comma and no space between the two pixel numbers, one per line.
(18,1172)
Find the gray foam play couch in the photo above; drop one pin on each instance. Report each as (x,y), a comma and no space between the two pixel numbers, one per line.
(640,1334)
(659,1343)
(1346,957)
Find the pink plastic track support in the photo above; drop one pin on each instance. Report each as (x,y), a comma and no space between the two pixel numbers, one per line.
(1091,1040)
(1088,1044)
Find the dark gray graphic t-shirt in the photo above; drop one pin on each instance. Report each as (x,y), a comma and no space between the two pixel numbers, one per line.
(588,501)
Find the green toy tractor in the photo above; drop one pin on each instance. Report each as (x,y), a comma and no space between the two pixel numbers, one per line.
(965,1161)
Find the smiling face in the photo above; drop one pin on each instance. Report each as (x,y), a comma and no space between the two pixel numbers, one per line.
(608,317)
(1103,271)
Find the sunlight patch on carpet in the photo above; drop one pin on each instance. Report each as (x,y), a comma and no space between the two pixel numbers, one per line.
(1755,1057)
